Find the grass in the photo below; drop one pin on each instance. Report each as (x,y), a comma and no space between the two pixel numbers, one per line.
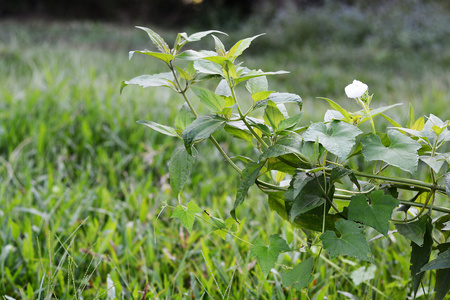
(82,185)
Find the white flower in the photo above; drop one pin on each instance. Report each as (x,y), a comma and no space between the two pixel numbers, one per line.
(356,89)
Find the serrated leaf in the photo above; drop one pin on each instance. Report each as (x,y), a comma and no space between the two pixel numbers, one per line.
(440,262)
(180,166)
(300,275)
(268,255)
(214,102)
(160,128)
(200,129)
(162,79)
(420,255)
(286,145)
(248,178)
(240,47)
(415,231)
(156,39)
(401,153)
(257,85)
(184,117)
(376,215)
(337,137)
(187,215)
(279,98)
(165,57)
(352,241)
(272,115)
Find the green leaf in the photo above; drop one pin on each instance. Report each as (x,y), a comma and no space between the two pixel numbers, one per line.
(415,231)
(276,203)
(156,39)
(200,129)
(447,183)
(254,74)
(339,172)
(192,55)
(442,287)
(300,275)
(348,117)
(289,123)
(272,115)
(223,89)
(195,37)
(184,117)
(268,255)
(248,178)
(180,166)
(337,137)
(220,48)
(240,47)
(214,102)
(401,153)
(305,193)
(352,241)
(434,162)
(208,67)
(162,79)
(376,112)
(187,215)
(376,215)
(257,85)
(420,255)
(440,262)
(238,132)
(161,56)
(286,145)
(160,128)
(279,98)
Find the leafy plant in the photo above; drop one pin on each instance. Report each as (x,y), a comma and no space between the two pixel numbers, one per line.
(312,173)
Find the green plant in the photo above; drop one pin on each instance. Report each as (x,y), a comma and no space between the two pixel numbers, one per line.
(312,174)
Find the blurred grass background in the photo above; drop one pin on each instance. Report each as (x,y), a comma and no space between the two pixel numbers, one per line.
(81,184)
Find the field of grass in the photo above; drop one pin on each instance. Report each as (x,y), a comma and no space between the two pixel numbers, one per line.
(82,185)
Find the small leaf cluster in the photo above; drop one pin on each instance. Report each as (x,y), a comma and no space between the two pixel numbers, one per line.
(311,173)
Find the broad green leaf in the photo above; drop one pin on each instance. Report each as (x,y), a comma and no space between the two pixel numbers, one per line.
(156,39)
(272,115)
(401,153)
(415,231)
(220,48)
(289,123)
(286,145)
(240,47)
(375,112)
(306,192)
(447,183)
(268,255)
(390,120)
(223,89)
(238,132)
(257,123)
(440,262)
(276,203)
(184,117)
(208,67)
(195,37)
(214,102)
(337,173)
(337,137)
(200,129)
(279,98)
(257,85)
(162,79)
(180,166)
(220,60)
(248,178)
(300,275)
(363,274)
(376,215)
(442,287)
(434,162)
(352,241)
(187,215)
(161,56)
(261,96)
(192,55)
(160,128)
(420,255)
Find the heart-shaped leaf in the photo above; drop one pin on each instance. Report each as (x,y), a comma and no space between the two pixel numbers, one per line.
(268,255)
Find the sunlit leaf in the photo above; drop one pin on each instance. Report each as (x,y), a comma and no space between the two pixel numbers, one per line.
(377,214)
(401,153)
(212,101)
(352,241)
(187,215)
(201,128)
(279,98)
(156,39)
(160,128)
(268,255)
(240,47)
